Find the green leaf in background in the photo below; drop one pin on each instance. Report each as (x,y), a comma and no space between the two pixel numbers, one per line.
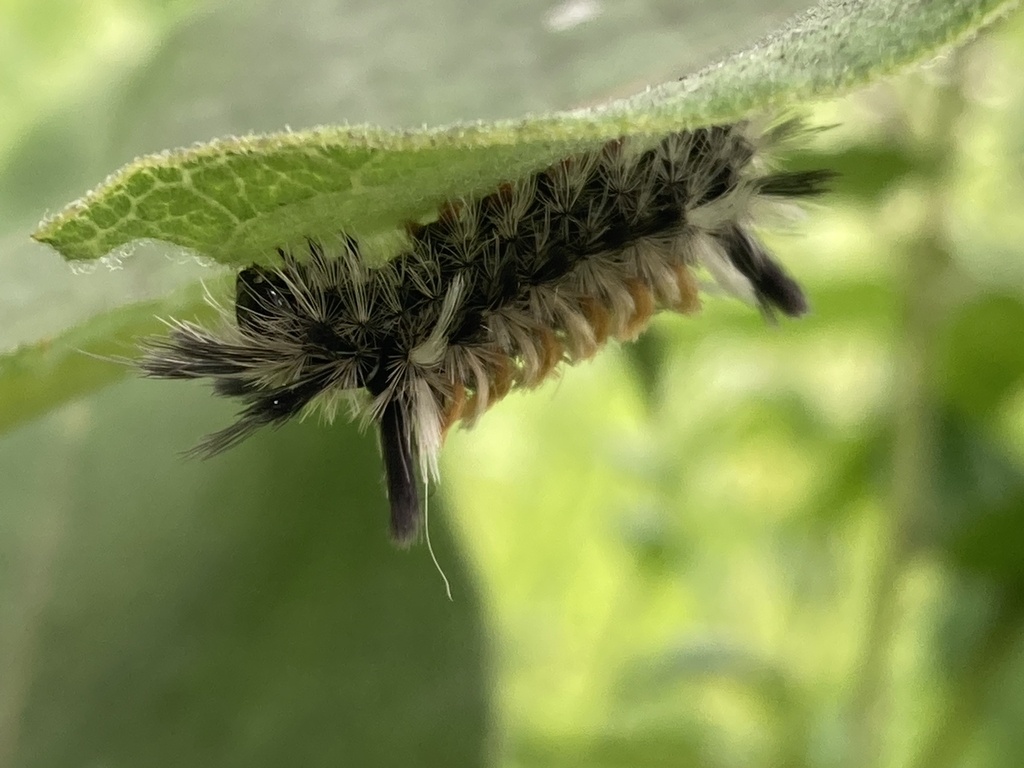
(247,611)
(977,524)
(983,357)
(84,358)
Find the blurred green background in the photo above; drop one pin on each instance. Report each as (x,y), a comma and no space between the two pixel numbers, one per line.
(729,544)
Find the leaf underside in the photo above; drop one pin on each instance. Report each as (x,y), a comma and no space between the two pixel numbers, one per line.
(234,200)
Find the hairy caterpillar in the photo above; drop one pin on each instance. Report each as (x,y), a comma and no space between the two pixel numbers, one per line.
(493,294)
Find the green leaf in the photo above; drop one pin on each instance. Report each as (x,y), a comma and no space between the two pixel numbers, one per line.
(35,377)
(235,199)
(978,524)
(983,359)
(246,610)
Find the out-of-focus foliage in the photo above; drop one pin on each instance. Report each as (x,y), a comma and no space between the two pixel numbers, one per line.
(800,545)
(730,544)
(50,51)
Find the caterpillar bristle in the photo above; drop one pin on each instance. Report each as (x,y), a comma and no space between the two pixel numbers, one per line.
(495,293)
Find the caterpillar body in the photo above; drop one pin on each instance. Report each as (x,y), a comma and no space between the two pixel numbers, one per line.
(492,295)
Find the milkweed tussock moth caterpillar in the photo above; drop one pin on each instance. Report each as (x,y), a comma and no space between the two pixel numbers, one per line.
(494,294)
